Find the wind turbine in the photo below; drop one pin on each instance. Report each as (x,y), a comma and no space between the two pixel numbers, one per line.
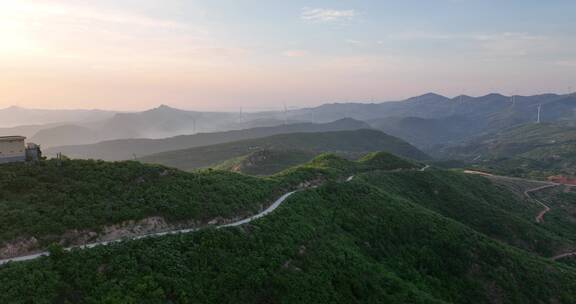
(539,114)
(285,114)
(459,101)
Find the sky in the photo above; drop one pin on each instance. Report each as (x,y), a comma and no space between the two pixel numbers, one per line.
(255,54)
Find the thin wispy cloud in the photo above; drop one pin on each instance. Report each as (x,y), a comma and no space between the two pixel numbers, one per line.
(496,43)
(323,15)
(566,63)
(217,51)
(295,53)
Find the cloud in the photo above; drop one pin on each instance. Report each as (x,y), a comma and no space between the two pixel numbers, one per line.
(508,44)
(566,63)
(513,44)
(295,53)
(355,42)
(323,15)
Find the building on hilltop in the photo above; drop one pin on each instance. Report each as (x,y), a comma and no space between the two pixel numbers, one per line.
(13,149)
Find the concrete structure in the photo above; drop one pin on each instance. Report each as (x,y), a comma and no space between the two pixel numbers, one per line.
(33,152)
(12,149)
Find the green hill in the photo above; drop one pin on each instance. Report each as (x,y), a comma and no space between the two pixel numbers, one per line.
(476,202)
(344,142)
(266,162)
(73,200)
(547,148)
(357,242)
(76,201)
(393,234)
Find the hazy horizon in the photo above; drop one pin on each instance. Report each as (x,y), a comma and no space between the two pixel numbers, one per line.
(222,55)
(279,107)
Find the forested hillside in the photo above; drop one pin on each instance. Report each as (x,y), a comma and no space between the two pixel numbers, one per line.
(73,202)
(478,203)
(356,242)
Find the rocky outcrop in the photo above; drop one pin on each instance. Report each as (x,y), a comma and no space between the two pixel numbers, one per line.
(18,247)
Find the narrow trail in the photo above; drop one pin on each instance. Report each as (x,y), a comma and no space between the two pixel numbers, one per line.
(262,214)
(563,256)
(540,217)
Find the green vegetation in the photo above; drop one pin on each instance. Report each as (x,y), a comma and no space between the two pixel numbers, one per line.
(267,162)
(340,243)
(392,235)
(48,199)
(476,202)
(51,197)
(532,150)
(387,161)
(562,216)
(346,142)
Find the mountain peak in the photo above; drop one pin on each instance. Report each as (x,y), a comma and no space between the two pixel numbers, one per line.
(427,97)
(462,97)
(163,108)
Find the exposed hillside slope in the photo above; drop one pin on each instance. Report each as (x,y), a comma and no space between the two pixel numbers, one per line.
(358,141)
(127,148)
(340,243)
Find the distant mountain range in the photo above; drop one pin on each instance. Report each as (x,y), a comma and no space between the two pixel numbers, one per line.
(17,116)
(129,148)
(355,142)
(425,121)
(160,122)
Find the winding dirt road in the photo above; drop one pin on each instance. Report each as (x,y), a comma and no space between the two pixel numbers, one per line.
(540,217)
(264,213)
(528,193)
